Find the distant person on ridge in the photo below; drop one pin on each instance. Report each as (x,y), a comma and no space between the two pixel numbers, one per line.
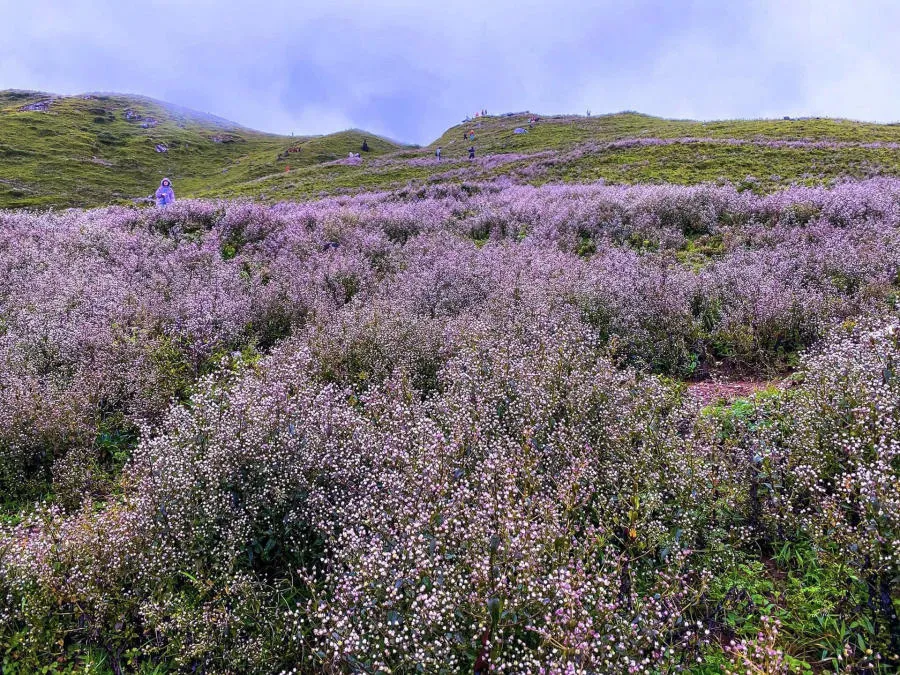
(365,145)
(165,195)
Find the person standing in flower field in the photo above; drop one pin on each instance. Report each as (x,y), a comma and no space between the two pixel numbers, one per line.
(437,153)
(165,195)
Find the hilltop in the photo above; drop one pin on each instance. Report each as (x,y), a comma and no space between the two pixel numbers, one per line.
(100,148)
(92,149)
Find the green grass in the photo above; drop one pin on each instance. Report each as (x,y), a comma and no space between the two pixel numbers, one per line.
(769,168)
(82,151)
(754,167)
(495,134)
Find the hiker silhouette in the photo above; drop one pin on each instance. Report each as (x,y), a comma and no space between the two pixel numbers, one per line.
(365,145)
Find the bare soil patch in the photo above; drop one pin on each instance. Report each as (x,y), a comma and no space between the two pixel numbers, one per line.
(710,392)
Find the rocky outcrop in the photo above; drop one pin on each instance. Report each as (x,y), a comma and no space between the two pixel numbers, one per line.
(37,106)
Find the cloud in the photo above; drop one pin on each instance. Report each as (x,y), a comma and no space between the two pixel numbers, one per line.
(409,69)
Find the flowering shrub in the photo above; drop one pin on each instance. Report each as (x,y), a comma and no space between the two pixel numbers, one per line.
(424,431)
(819,465)
(760,656)
(835,470)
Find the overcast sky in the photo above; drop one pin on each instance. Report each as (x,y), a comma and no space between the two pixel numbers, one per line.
(411,68)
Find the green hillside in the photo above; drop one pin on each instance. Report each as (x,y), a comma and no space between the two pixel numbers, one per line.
(94,149)
(560,130)
(620,148)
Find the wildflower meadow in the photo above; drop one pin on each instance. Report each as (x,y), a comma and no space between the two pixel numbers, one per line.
(453,428)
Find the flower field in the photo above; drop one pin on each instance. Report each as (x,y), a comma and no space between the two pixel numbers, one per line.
(450,428)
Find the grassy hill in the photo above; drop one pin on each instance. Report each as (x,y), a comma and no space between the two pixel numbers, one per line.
(622,148)
(93,149)
(96,148)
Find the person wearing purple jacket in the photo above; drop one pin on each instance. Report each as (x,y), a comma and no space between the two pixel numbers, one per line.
(165,195)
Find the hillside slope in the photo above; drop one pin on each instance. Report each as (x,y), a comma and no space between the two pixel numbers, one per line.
(762,155)
(96,148)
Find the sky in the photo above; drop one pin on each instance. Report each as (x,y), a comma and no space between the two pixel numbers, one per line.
(409,69)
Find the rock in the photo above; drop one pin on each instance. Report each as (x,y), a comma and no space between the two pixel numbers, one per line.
(224,138)
(37,106)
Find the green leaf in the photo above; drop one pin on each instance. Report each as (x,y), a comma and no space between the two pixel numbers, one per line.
(495,607)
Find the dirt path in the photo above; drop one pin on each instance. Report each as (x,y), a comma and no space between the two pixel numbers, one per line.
(712,392)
